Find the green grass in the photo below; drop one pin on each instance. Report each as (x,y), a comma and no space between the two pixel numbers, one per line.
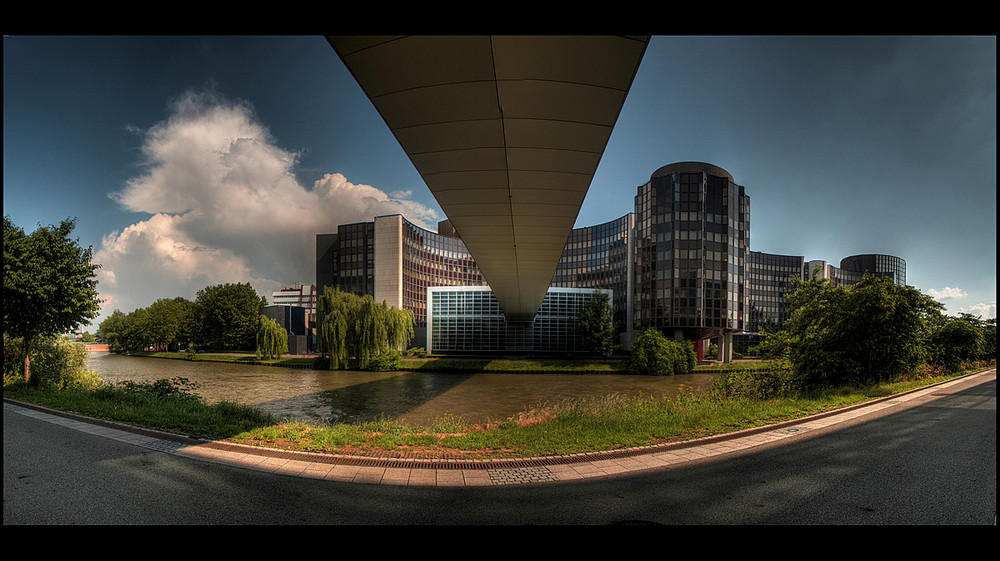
(576,426)
(231,357)
(565,427)
(141,405)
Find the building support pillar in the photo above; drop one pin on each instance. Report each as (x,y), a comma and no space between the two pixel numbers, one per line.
(726,347)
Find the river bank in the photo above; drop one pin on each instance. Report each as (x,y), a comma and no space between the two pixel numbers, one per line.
(464,364)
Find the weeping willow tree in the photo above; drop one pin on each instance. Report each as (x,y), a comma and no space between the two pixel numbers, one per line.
(272,339)
(355,330)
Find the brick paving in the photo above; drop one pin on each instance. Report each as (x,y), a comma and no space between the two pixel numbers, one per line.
(455,473)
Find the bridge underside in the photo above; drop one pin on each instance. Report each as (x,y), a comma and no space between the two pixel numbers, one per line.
(506,132)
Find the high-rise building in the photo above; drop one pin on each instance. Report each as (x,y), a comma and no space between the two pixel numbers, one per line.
(692,239)
(680,263)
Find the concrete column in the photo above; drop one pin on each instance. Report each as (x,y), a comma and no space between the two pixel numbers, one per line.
(726,348)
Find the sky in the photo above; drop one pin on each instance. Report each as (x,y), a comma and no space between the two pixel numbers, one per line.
(192,161)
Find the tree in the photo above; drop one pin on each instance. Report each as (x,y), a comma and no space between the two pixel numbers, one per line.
(49,283)
(111,330)
(652,353)
(170,321)
(355,330)
(868,332)
(965,338)
(228,316)
(594,325)
(272,339)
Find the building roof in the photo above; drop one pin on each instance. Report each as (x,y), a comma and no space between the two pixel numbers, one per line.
(506,132)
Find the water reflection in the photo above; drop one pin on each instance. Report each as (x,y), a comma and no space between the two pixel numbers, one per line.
(348,396)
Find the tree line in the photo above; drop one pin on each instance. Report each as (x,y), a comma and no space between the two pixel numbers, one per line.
(873,331)
(222,317)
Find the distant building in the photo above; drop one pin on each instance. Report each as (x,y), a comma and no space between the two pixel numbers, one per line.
(680,263)
(293,320)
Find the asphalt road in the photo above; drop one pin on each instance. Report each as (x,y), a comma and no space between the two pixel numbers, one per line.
(930,463)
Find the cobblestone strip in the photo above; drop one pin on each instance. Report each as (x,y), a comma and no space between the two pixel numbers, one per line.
(514,476)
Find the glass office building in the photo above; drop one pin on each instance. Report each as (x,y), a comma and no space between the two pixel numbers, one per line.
(601,256)
(346,259)
(680,263)
(879,265)
(468,319)
(692,239)
(769,278)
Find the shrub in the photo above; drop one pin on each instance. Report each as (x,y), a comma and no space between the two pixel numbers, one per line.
(652,353)
(178,389)
(385,361)
(776,380)
(56,363)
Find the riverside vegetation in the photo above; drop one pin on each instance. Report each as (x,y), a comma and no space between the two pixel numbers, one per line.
(739,399)
(841,346)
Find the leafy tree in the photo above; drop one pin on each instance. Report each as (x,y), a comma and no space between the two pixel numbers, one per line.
(956,342)
(272,339)
(867,332)
(49,284)
(652,353)
(989,348)
(594,325)
(228,316)
(964,338)
(354,330)
(111,331)
(171,320)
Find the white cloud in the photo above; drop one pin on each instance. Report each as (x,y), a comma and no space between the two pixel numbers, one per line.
(947,293)
(225,206)
(985,310)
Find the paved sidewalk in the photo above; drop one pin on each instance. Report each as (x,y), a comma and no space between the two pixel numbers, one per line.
(451,473)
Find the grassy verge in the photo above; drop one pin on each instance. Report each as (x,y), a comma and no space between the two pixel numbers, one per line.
(169,406)
(236,358)
(566,427)
(569,427)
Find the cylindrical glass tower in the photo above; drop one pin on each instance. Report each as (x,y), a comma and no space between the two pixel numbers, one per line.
(692,228)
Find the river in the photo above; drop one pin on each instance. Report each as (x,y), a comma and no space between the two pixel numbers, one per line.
(415,397)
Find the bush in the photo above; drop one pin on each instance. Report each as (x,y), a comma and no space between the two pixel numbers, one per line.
(178,389)
(385,362)
(56,363)
(776,380)
(652,353)
(418,352)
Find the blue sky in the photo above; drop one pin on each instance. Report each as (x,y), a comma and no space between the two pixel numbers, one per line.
(191,161)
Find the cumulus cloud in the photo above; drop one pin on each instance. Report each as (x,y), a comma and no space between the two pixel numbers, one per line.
(984,310)
(947,293)
(225,206)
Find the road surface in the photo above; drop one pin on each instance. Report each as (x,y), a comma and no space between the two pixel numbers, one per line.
(930,461)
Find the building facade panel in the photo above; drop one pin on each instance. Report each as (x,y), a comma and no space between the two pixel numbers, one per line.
(601,256)
(468,319)
(692,239)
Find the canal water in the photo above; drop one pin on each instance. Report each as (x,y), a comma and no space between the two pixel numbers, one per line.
(415,397)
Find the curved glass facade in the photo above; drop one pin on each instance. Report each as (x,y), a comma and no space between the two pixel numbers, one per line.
(600,257)
(877,264)
(692,239)
(433,259)
(769,278)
